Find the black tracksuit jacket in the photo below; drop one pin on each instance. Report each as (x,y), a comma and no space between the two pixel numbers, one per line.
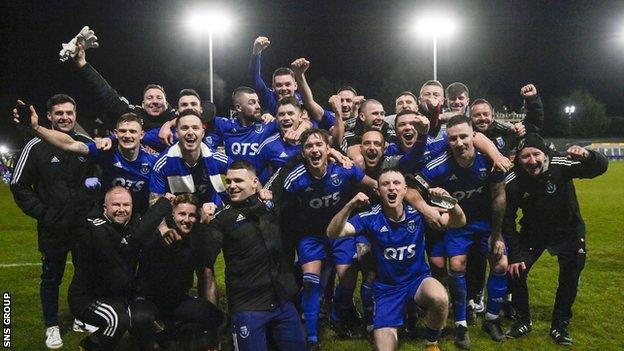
(107,254)
(48,185)
(550,209)
(258,266)
(116,105)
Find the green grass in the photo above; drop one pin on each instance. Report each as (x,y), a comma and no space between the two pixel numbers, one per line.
(598,311)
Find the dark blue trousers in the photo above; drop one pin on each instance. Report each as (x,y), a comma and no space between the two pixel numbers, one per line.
(251,329)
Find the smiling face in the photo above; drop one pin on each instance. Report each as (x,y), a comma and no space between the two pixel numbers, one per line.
(314,151)
(129,135)
(346,102)
(288,117)
(154,102)
(63,117)
(190,132)
(118,205)
(284,85)
(189,101)
(184,216)
(241,184)
(372,148)
(458,103)
(533,161)
(372,114)
(248,106)
(460,139)
(405,130)
(392,189)
(482,116)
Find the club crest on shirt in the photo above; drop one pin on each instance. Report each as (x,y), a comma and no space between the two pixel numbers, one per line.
(208,140)
(335,180)
(411,226)
(500,142)
(259,128)
(482,173)
(244,332)
(550,187)
(145,168)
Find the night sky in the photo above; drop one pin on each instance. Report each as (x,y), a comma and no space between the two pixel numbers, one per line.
(500,45)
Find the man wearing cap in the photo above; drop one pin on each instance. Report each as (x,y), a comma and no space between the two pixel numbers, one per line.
(541,186)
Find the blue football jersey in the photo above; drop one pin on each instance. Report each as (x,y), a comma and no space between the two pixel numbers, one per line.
(398,247)
(470,186)
(242,143)
(274,152)
(204,179)
(320,199)
(132,175)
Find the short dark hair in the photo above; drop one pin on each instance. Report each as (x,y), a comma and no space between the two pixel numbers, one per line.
(129,117)
(283,71)
(457,88)
(242,164)
(239,91)
(188,112)
(482,101)
(347,88)
(406,92)
(458,119)
(320,132)
(403,113)
(290,100)
(432,82)
(58,99)
(185,198)
(154,86)
(188,92)
(383,137)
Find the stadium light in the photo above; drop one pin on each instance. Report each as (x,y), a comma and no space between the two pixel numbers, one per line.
(207,22)
(436,26)
(3,149)
(569,110)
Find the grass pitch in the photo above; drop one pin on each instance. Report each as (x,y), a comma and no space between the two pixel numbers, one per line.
(598,310)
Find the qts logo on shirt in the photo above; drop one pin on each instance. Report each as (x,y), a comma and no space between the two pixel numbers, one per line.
(400,253)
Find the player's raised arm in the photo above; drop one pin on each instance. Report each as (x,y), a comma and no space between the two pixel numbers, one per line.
(299,67)
(59,139)
(339,227)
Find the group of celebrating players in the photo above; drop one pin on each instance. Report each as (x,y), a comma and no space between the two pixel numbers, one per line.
(293,194)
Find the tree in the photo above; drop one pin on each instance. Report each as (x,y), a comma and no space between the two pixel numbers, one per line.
(590,117)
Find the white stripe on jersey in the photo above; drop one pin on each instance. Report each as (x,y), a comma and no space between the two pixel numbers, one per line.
(220,157)
(268,140)
(160,163)
(294,174)
(373,211)
(438,160)
(563,161)
(217,183)
(22,160)
(511,176)
(113,314)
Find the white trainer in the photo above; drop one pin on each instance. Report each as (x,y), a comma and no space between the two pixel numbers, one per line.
(82,327)
(53,338)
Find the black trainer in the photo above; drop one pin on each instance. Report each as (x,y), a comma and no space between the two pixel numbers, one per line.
(462,340)
(494,329)
(561,335)
(520,329)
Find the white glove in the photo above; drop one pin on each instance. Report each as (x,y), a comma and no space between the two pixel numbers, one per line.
(86,37)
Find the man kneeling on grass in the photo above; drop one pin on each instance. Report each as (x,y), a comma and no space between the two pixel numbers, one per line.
(395,230)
